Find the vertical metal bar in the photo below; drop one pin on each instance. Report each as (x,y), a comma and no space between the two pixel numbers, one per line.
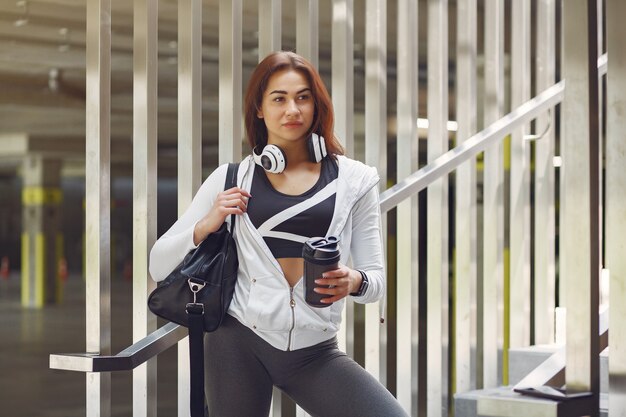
(189,100)
(98,201)
(189,142)
(465,210)
(601,118)
(145,63)
(579,232)
(343,102)
(600,38)
(519,223)
(343,72)
(437,213)
(544,180)
(615,204)
(269,27)
(407,221)
(307,17)
(376,154)
(493,197)
(230,57)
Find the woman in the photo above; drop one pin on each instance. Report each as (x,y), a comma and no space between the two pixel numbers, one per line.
(288,192)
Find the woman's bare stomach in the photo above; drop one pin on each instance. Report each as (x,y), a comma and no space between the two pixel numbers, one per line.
(292,268)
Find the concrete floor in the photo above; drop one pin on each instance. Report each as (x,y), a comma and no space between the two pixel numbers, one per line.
(28,388)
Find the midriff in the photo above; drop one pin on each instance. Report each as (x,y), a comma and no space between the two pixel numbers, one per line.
(293,269)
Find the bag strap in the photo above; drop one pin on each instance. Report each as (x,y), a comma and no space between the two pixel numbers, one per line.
(196,360)
(196,328)
(231,181)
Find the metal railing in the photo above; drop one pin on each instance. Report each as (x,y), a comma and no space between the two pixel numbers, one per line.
(452,159)
(432,175)
(150,346)
(170,334)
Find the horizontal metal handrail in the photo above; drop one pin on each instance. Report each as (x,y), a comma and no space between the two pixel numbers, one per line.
(131,357)
(471,147)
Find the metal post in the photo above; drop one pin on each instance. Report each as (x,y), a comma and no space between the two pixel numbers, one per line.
(145,63)
(465,210)
(580,222)
(98,201)
(230,56)
(615,204)
(343,72)
(493,198)
(307,16)
(519,219)
(189,142)
(407,220)
(544,181)
(189,100)
(437,213)
(343,102)
(269,27)
(376,155)
(41,226)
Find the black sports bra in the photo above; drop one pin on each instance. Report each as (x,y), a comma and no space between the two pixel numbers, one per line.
(287,221)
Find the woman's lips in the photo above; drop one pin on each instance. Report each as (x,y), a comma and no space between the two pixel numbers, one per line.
(292,124)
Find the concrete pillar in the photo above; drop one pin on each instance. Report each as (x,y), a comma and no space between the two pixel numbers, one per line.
(42,241)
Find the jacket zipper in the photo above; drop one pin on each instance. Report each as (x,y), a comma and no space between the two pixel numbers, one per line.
(292,301)
(292,304)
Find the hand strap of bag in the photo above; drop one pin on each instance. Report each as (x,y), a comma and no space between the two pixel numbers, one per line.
(196,328)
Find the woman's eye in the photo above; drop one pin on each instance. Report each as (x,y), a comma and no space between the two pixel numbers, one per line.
(304,97)
(278,99)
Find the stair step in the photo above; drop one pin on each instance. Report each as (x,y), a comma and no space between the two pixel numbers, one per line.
(523,360)
(466,404)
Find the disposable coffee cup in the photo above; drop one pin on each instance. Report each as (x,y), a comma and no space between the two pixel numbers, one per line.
(320,254)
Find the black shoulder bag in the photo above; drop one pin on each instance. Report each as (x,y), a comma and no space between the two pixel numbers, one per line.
(198,292)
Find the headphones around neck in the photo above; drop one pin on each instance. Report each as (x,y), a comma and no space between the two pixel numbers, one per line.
(274,160)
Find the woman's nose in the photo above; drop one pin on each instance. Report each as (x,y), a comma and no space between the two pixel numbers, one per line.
(292,108)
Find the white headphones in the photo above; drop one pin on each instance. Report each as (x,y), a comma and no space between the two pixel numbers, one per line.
(274,160)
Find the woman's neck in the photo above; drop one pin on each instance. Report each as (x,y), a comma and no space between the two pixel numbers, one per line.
(296,152)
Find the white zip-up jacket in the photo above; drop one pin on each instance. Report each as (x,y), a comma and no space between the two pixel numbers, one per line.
(263,299)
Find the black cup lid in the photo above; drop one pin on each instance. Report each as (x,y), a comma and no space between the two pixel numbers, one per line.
(321,248)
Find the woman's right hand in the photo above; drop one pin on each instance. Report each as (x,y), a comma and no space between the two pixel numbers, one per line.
(231,201)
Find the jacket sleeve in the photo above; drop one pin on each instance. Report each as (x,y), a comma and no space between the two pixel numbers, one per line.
(170,249)
(367,245)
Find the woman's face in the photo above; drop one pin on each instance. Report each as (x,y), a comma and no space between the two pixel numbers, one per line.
(287,107)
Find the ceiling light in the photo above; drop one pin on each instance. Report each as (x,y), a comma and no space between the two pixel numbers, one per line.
(23,4)
(64,46)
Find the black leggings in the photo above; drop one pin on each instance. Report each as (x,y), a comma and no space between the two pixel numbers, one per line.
(241,369)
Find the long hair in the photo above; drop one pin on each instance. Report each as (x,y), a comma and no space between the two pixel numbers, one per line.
(323,118)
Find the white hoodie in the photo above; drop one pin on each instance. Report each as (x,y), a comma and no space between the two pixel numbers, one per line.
(263,299)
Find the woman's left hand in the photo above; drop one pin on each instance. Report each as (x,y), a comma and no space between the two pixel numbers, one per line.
(342,281)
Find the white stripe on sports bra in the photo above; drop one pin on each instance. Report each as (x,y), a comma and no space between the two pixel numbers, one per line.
(285,236)
(266,228)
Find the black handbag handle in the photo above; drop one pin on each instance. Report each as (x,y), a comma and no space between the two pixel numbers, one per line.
(196,329)
(231,181)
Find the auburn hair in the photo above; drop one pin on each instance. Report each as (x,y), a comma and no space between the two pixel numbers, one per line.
(323,118)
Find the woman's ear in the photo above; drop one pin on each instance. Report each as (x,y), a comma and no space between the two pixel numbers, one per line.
(259,114)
